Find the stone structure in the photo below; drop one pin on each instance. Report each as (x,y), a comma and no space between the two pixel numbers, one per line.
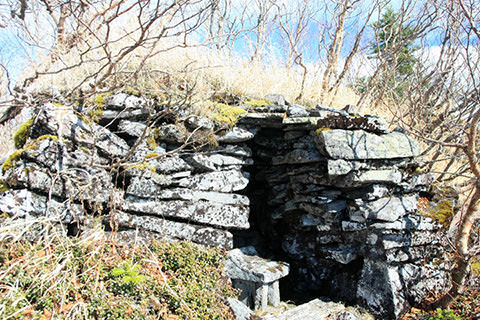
(256,277)
(333,194)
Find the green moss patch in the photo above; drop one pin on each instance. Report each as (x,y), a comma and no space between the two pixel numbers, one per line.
(256,103)
(227,114)
(442,212)
(20,137)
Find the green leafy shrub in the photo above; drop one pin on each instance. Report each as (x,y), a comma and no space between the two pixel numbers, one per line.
(441,314)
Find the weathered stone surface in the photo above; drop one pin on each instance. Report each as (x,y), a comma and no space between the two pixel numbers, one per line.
(132,128)
(22,203)
(196,122)
(362,178)
(240,310)
(222,181)
(380,289)
(122,101)
(146,187)
(244,264)
(64,123)
(273,120)
(236,135)
(297,111)
(92,184)
(276,98)
(215,162)
(353,145)
(203,212)
(386,209)
(421,280)
(354,122)
(171,133)
(176,230)
(298,156)
(315,310)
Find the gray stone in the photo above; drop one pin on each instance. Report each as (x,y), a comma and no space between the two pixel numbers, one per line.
(385,209)
(363,178)
(64,123)
(360,145)
(313,310)
(200,123)
(296,110)
(240,310)
(176,230)
(132,128)
(203,212)
(339,167)
(171,133)
(354,122)
(222,181)
(92,184)
(276,98)
(236,135)
(380,289)
(272,120)
(246,266)
(215,162)
(298,156)
(22,203)
(122,101)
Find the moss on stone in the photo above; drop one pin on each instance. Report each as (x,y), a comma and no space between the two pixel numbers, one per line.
(151,142)
(12,160)
(476,268)
(57,104)
(20,137)
(442,212)
(227,114)
(4,187)
(256,103)
(141,166)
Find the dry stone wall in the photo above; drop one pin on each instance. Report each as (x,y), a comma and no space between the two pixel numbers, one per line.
(332,193)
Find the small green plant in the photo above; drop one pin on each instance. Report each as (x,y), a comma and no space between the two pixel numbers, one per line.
(129,272)
(20,137)
(441,314)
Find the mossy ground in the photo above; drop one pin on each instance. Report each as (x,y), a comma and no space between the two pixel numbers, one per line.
(97,279)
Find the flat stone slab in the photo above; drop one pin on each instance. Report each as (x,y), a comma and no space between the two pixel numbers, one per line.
(361,145)
(249,267)
(317,310)
(201,212)
(176,230)
(221,181)
(354,122)
(236,135)
(385,209)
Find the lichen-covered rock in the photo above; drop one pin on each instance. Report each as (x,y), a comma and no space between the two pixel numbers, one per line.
(171,133)
(221,181)
(132,128)
(385,209)
(380,289)
(216,162)
(176,230)
(23,203)
(202,212)
(64,123)
(236,135)
(354,122)
(361,145)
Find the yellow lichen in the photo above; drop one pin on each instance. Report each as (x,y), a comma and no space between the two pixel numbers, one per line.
(227,114)
(151,142)
(476,267)
(258,103)
(321,130)
(20,137)
(151,155)
(12,160)
(441,212)
(57,104)
(141,166)
(4,187)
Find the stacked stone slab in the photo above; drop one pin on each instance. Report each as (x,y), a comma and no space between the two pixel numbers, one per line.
(134,173)
(336,194)
(333,194)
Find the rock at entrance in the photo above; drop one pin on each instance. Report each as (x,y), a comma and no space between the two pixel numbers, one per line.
(256,277)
